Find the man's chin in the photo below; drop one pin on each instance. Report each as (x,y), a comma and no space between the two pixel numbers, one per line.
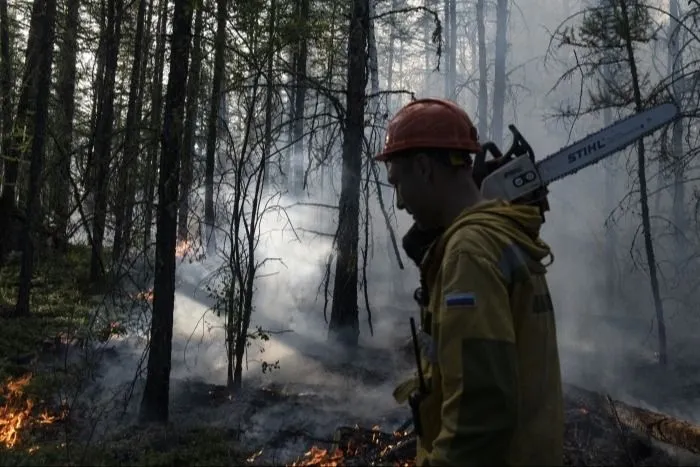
(420,223)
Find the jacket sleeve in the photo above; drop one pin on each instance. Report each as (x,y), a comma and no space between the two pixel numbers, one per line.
(478,362)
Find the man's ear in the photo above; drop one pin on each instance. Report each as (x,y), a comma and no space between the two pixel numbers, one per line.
(423,165)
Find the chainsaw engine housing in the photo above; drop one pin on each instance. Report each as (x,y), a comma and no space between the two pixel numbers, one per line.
(515,179)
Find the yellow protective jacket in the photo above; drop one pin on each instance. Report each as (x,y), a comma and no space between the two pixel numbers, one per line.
(489,344)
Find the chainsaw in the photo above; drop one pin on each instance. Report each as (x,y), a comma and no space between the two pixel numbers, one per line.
(516,177)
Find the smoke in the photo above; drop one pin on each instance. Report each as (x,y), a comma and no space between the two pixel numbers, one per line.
(607,343)
(604,346)
(317,387)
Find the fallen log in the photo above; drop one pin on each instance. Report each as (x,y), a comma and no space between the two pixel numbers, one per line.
(661,427)
(361,446)
(597,432)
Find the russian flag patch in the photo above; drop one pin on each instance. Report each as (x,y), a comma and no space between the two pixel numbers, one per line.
(467,299)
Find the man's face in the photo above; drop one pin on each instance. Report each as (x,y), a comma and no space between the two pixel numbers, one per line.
(410,176)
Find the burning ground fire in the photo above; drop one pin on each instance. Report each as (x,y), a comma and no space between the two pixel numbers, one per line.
(146,296)
(16,412)
(183,248)
(189,249)
(358,446)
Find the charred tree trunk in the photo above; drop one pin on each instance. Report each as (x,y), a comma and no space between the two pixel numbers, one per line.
(47,21)
(675,60)
(7,200)
(64,128)
(643,194)
(21,124)
(154,405)
(97,96)
(126,183)
(611,279)
(377,132)
(137,177)
(611,241)
(344,323)
(11,217)
(103,137)
(5,78)
(213,122)
(300,61)
(499,70)
(190,124)
(155,124)
(232,310)
(483,69)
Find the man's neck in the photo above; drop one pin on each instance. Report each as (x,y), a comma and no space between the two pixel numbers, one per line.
(456,205)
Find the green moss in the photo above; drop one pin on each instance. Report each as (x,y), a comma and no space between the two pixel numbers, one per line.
(59,306)
(143,447)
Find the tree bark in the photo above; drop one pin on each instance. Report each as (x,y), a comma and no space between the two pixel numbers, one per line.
(155,123)
(154,405)
(103,136)
(126,183)
(675,61)
(452,51)
(7,201)
(499,71)
(611,244)
(21,124)
(190,124)
(446,46)
(300,61)
(5,80)
(390,57)
(643,194)
(213,123)
(46,10)
(66,102)
(483,69)
(344,323)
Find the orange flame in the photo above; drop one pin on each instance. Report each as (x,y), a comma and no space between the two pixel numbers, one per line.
(146,296)
(355,447)
(183,248)
(16,413)
(321,458)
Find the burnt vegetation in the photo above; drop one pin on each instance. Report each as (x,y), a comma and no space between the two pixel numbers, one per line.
(191,222)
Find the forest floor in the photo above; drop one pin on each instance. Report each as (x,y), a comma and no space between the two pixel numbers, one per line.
(42,410)
(47,400)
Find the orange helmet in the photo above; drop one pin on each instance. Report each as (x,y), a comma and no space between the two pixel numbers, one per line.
(430,124)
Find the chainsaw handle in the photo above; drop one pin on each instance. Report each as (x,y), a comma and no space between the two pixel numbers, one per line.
(481,169)
(519,146)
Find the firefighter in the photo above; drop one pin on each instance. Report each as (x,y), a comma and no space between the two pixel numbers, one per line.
(488,338)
